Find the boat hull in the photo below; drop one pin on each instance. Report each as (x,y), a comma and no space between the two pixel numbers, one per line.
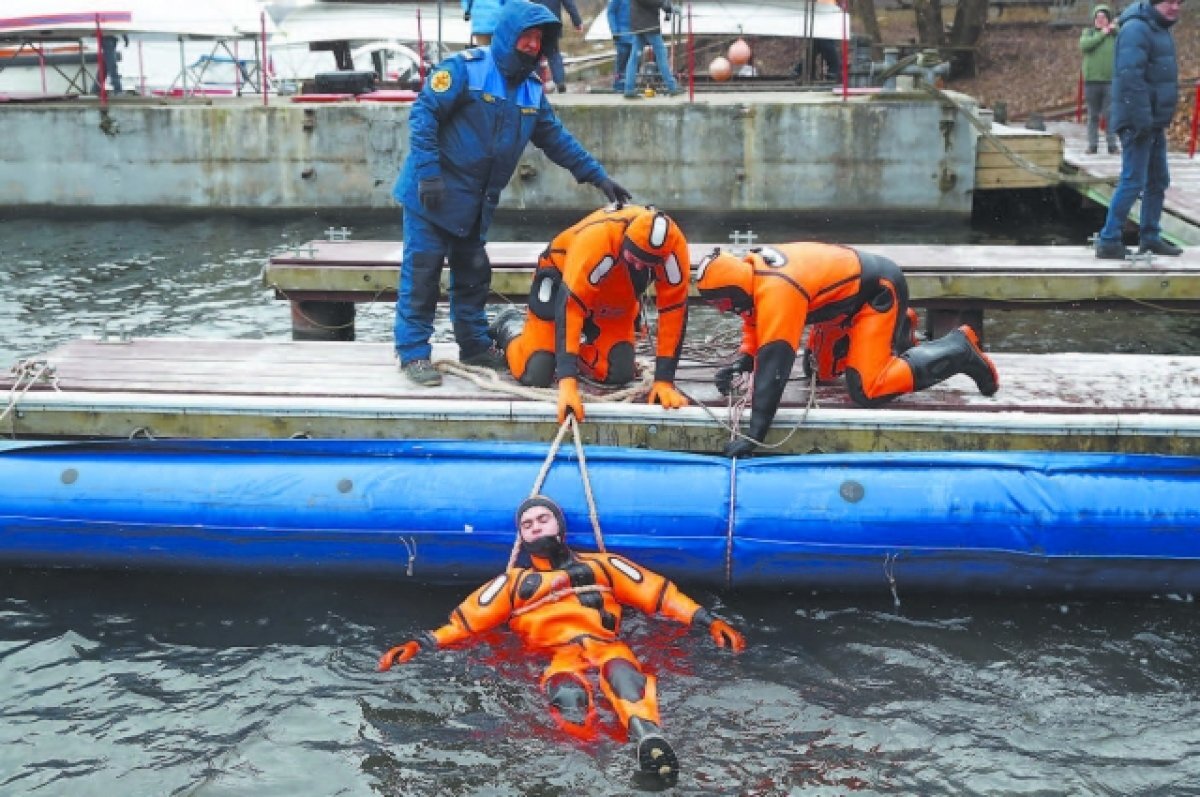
(442,512)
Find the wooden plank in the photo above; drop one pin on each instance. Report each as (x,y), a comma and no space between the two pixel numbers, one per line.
(984,274)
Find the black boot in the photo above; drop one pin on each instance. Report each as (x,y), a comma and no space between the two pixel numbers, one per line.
(955,353)
(509,323)
(1159,247)
(656,759)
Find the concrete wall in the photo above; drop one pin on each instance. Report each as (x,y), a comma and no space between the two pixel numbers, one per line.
(770,152)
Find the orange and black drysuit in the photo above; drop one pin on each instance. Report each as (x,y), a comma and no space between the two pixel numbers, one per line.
(572,613)
(585,300)
(857,304)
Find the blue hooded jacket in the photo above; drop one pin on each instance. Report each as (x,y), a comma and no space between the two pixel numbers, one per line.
(484,14)
(472,120)
(1145,87)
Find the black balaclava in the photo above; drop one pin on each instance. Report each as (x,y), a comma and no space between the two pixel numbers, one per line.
(553,550)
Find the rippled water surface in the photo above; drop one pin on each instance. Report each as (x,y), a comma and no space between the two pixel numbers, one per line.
(114,684)
(158,684)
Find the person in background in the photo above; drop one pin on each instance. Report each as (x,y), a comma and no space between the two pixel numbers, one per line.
(585,303)
(618,26)
(467,131)
(1145,93)
(567,607)
(482,14)
(108,52)
(646,32)
(857,304)
(550,43)
(1098,43)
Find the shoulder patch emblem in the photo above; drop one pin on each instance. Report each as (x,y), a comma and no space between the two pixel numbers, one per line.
(440,81)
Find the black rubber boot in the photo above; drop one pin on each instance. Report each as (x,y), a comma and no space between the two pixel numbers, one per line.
(509,323)
(656,758)
(955,353)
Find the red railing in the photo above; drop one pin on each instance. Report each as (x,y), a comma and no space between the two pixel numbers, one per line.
(1195,122)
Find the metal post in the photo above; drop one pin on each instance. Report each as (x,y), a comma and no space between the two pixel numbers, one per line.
(101,67)
(262,67)
(1195,122)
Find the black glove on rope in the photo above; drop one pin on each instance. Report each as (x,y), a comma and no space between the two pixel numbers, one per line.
(725,377)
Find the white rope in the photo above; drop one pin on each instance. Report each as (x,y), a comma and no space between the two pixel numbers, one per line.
(544,471)
(28,373)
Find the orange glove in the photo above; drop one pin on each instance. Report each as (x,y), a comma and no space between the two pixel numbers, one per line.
(664,393)
(568,399)
(725,636)
(398,655)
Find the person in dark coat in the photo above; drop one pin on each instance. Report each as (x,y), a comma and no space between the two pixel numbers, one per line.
(550,42)
(467,131)
(618,26)
(646,32)
(1145,94)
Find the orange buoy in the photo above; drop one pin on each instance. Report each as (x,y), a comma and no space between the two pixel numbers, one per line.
(739,53)
(720,69)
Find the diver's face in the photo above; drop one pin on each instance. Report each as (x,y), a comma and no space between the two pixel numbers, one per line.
(537,523)
(530,41)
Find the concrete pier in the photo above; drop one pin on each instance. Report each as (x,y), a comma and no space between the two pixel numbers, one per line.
(804,152)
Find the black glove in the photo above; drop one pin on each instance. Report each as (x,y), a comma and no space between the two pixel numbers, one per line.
(741,447)
(724,377)
(431,192)
(466,16)
(613,190)
(668,9)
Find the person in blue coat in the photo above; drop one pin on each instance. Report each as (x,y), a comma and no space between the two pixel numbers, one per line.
(482,14)
(467,131)
(550,47)
(1145,92)
(618,26)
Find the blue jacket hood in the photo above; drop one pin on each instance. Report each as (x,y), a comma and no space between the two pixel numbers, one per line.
(515,17)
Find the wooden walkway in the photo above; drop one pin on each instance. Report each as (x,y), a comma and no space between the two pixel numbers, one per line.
(1181,213)
(276,389)
(323,279)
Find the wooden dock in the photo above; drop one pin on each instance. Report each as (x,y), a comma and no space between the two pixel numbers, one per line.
(277,389)
(1181,210)
(325,279)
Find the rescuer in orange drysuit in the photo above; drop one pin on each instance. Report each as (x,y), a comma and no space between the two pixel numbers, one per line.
(857,304)
(585,302)
(567,605)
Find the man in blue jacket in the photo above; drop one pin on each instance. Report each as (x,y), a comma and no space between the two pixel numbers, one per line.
(618,26)
(467,130)
(1145,92)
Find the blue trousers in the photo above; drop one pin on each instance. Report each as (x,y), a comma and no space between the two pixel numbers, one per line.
(426,249)
(1144,174)
(655,40)
(624,46)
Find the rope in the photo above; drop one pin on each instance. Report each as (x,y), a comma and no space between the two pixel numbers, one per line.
(28,372)
(487,379)
(1004,149)
(558,595)
(543,472)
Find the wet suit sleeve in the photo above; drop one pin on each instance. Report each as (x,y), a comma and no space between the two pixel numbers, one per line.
(780,315)
(587,261)
(671,297)
(560,146)
(486,608)
(430,111)
(648,592)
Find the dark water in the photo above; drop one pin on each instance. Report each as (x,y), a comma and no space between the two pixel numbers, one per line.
(114,684)
(164,684)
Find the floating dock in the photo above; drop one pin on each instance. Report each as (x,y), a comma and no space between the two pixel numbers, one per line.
(277,389)
(324,280)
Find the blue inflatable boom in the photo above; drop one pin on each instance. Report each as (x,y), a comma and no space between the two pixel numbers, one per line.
(442,512)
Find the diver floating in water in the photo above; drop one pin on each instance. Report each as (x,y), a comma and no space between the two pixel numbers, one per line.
(567,605)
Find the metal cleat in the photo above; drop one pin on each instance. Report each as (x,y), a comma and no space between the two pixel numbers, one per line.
(337,234)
